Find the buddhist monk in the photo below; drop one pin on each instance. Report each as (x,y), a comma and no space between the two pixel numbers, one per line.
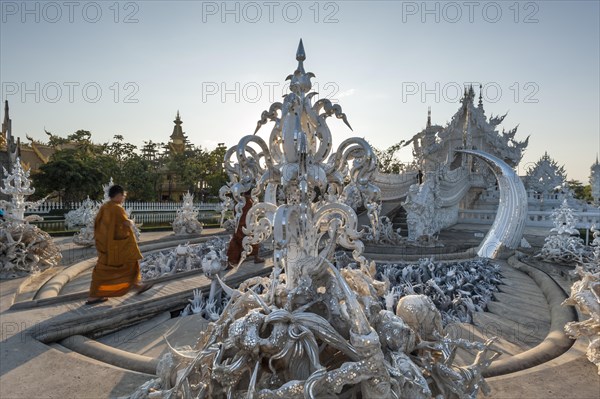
(117,270)
(234,252)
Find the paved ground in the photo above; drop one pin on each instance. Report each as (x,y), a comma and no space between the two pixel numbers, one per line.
(31,369)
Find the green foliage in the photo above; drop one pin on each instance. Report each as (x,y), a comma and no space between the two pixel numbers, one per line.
(70,175)
(580,191)
(74,173)
(388,161)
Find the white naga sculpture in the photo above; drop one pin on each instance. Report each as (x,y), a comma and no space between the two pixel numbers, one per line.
(563,244)
(186,221)
(84,215)
(312,330)
(24,248)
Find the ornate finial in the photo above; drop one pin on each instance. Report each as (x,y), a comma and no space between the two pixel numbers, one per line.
(300,54)
(480,105)
(300,80)
(428,117)
(471,93)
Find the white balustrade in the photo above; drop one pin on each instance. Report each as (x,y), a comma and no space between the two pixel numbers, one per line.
(534,218)
(135,206)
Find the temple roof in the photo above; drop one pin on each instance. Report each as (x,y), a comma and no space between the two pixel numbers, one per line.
(177,130)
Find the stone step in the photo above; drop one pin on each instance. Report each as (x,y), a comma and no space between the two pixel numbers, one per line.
(178,331)
(518,276)
(533,293)
(129,334)
(520,334)
(540,307)
(520,315)
(520,281)
(474,333)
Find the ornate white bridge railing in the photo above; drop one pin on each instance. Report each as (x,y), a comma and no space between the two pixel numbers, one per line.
(534,218)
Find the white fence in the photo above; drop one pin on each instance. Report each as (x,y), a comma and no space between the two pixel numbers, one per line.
(534,218)
(154,218)
(134,206)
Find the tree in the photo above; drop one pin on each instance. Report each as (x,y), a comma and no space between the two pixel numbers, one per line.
(387,160)
(69,175)
(580,191)
(216,176)
(140,178)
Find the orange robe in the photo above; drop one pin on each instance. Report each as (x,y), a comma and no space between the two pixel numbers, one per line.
(108,280)
(235,249)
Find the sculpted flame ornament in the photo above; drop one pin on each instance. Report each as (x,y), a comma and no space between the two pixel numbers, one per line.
(312,330)
(84,216)
(24,248)
(186,221)
(296,160)
(18,185)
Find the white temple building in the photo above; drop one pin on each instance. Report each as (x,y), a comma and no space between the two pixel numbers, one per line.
(464,189)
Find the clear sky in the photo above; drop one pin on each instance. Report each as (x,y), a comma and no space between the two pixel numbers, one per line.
(127,67)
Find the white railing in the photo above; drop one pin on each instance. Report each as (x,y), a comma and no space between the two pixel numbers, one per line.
(134,206)
(153,218)
(532,197)
(534,218)
(147,218)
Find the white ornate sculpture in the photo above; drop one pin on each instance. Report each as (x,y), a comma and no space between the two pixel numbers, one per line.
(312,330)
(585,296)
(387,234)
(563,244)
(80,216)
(182,258)
(458,289)
(106,188)
(227,205)
(545,175)
(595,181)
(17,185)
(85,215)
(24,248)
(507,230)
(420,207)
(186,221)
